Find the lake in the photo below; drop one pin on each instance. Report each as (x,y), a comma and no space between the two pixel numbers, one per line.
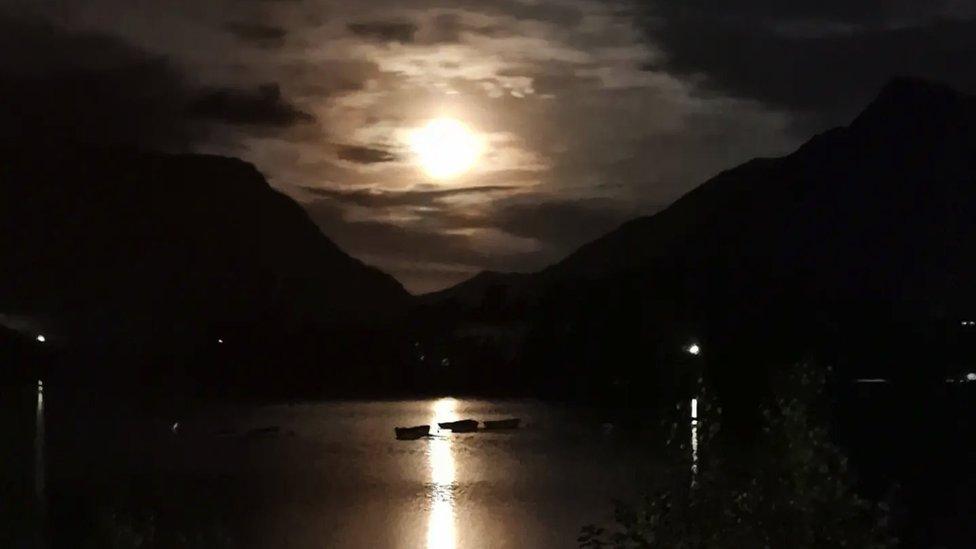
(331,474)
(335,476)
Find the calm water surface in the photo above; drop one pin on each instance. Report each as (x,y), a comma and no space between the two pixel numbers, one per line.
(335,476)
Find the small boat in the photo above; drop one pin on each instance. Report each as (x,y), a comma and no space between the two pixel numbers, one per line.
(462,426)
(511,423)
(411,433)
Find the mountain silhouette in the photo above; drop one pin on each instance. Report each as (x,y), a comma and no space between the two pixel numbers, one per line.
(878,210)
(866,232)
(102,242)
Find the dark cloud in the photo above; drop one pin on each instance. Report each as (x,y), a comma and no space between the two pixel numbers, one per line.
(552,12)
(449,245)
(89,88)
(411,244)
(561,224)
(825,59)
(449,28)
(862,11)
(92,88)
(386,199)
(385,31)
(258,33)
(332,77)
(262,107)
(365,155)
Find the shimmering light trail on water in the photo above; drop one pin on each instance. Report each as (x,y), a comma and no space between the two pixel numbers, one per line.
(694,442)
(441,533)
(39,445)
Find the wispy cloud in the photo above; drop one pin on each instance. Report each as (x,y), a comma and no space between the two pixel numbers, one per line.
(365,155)
(261,34)
(383,199)
(385,31)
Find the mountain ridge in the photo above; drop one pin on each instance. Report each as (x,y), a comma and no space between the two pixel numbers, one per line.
(96,232)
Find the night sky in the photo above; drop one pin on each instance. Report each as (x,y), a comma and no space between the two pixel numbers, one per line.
(587,112)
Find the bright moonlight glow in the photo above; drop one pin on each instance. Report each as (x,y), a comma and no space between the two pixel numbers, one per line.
(445,148)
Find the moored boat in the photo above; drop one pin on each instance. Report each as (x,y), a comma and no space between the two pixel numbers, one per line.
(411,433)
(269,431)
(461,426)
(497,424)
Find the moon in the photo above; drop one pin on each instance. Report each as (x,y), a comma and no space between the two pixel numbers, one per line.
(445,148)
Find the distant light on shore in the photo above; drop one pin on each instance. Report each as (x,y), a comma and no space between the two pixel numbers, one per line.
(41,338)
(694,349)
(971,376)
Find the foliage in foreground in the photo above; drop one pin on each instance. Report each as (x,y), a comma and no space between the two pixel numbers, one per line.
(793,489)
(119,529)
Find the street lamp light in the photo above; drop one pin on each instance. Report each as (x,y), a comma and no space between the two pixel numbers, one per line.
(41,338)
(695,350)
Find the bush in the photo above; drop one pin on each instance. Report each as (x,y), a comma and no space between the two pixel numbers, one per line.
(791,488)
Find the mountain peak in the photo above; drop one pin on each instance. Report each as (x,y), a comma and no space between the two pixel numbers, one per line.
(913,101)
(189,236)
(908,87)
